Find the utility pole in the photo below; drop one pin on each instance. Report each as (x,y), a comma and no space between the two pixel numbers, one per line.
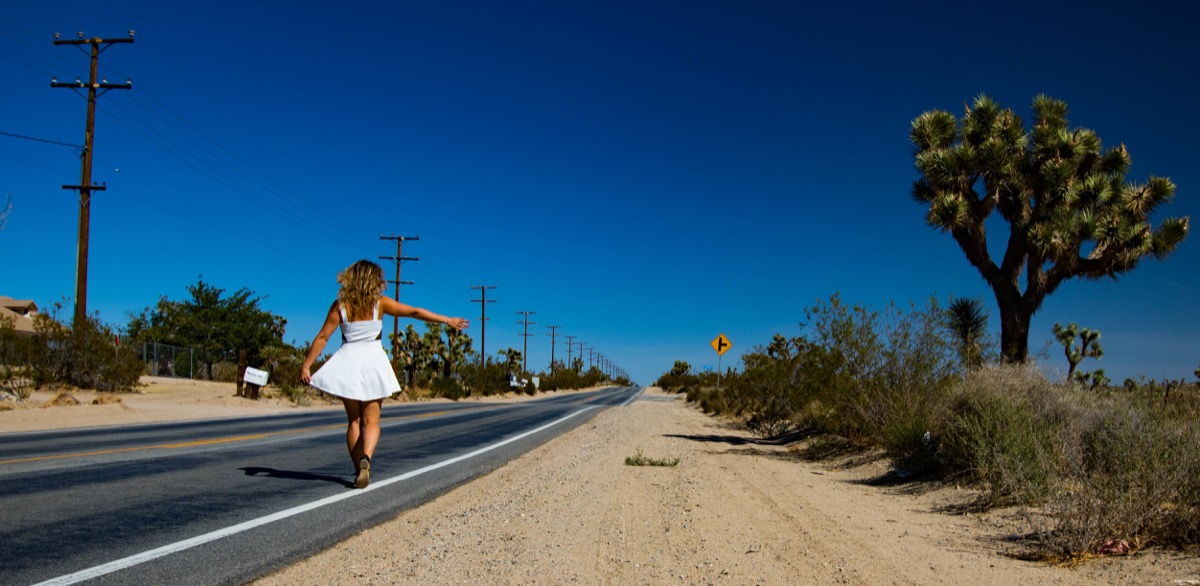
(525,340)
(398,258)
(570,346)
(591,351)
(553,343)
(483,301)
(94,90)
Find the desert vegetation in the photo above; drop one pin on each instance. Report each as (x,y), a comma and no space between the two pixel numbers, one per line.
(218,334)
(1094,468)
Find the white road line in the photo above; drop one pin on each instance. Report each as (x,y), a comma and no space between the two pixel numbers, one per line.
(169,549)
(633,396)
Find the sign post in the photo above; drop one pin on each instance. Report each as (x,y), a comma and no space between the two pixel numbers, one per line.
(722,345)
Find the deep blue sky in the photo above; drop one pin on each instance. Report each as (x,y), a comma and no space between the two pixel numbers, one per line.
(645,175)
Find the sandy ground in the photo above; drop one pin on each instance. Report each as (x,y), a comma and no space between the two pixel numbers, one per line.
(733,511)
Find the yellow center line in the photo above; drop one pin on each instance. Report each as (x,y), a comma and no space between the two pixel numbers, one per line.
(205,442)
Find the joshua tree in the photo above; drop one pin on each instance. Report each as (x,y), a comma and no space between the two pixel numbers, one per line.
(512,360)
(967,321)
(435,347)
(411,353)
(458,346)
(1075,354)
(1070,212)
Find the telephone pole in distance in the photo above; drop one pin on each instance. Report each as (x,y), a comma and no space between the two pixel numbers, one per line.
(483,301)
(398,258)
(525,339)
(85,188)
(570,346)
(553,343)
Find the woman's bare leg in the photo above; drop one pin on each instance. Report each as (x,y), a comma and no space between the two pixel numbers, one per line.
(354,434)
(370,413)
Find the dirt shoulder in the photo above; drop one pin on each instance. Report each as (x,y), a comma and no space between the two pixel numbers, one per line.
(733,511)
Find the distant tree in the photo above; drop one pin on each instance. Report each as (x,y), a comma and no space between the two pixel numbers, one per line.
(680,368)
(1088,346)
(1070,212)
(967,321)
(434,348)
(408,356)
(216,327)
(1093,380)
(512,360)
(458,349)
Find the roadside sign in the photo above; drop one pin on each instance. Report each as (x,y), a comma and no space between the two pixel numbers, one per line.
(255,376)
(721,344)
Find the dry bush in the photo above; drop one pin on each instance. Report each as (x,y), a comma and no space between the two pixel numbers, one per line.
(107,399)
(225,372)
(997,432)
(1136,478)
(62,399)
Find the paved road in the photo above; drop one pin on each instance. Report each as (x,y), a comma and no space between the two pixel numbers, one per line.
(226,501)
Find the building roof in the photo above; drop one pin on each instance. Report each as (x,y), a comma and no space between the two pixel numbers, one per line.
(21,310)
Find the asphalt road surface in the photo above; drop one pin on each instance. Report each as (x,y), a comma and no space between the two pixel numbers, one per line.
(226,501)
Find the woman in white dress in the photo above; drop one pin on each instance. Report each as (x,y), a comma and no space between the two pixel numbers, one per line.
(359,373)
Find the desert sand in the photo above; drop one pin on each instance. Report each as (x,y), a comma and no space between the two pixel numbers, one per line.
(734,510)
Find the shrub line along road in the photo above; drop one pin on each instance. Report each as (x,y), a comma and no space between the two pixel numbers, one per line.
(229,500)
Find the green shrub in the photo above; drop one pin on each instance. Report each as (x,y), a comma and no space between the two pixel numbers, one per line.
(447,387)
(1004,428)
(225,372)
(183,366)
(485,380)
(86,356)
(1001,442)
(16,351)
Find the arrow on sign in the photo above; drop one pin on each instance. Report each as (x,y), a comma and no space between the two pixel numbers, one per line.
(721,344)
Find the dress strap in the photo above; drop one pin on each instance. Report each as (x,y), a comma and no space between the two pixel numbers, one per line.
(342,311)
(375,314)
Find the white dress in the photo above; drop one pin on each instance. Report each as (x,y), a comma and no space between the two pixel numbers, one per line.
(360,368)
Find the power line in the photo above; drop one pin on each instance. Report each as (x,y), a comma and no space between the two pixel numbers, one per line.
(77,146)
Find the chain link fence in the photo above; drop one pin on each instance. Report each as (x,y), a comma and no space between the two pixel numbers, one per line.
(168,360)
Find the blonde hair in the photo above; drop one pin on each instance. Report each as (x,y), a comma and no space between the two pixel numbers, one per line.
(362,284)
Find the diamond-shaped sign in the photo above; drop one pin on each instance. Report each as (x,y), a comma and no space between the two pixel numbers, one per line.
(721,344)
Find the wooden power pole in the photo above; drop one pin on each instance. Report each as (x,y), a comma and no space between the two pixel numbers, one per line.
(483,301)
(94,90)
(553,342)
(398,258)
(525,339)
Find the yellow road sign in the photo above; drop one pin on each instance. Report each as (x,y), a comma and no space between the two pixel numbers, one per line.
(721,344)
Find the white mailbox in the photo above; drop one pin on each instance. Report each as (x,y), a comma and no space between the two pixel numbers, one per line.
(255,376)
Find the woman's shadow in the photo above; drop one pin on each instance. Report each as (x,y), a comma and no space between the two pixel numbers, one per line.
(293,475)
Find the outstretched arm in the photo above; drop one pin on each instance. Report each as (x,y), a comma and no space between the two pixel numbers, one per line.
(332,319)
(392,307)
